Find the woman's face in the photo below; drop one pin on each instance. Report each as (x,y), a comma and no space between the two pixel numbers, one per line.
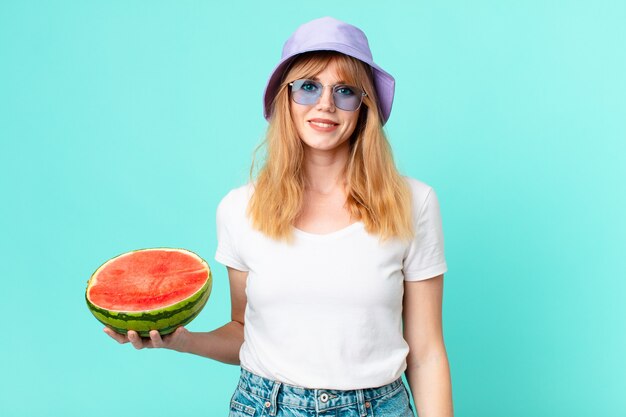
(322,126)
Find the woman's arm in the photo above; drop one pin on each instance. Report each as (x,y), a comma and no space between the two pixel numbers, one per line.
(221,344)
(428,371)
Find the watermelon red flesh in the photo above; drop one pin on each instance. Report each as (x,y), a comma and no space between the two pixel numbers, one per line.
(147,280)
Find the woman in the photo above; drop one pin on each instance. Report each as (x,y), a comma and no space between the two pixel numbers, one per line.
(335,261)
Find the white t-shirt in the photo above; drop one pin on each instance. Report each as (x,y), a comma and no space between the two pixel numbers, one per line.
(326,310)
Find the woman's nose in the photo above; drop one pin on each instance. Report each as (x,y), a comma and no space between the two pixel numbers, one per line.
(326,102)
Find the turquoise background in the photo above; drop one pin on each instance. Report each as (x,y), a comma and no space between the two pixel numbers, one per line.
(123,123)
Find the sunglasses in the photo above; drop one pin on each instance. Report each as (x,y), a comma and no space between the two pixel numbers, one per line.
(346,97)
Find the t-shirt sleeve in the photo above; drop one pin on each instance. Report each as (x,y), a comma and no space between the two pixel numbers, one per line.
(425,256)
(226,252)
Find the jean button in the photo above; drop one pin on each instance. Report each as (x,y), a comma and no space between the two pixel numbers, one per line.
(267,404)
(324,397)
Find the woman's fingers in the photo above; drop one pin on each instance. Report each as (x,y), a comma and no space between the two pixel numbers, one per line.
(119,338)
(155,339)
(135,339)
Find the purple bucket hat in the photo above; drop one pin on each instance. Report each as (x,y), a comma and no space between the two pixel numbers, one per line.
(328,34)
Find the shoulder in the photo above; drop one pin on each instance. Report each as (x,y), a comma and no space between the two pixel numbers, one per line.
(237,197)
(233,205)
(418,188)
(420,193)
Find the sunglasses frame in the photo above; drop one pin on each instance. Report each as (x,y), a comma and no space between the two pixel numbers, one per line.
(333,86)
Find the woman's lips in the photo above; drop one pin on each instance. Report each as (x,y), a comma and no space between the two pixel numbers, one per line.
(323,125)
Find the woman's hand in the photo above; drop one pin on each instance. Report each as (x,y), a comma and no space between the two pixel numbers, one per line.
(222,344)
(175,341)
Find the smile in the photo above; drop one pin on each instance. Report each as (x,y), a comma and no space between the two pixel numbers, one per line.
(320,124)
(323,125)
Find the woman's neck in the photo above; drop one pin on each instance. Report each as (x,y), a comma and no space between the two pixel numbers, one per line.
(324,171)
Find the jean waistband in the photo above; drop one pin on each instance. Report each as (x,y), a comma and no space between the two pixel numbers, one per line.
(274,393)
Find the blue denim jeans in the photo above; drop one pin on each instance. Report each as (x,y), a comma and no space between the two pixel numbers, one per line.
(256,396)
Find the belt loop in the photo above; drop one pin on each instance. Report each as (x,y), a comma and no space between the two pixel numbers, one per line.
(273,398)
(360,401)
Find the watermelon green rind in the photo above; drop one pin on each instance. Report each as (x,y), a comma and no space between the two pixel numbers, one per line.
(163,331)
(165,319)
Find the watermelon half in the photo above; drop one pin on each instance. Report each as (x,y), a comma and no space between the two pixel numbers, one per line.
(149,289)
